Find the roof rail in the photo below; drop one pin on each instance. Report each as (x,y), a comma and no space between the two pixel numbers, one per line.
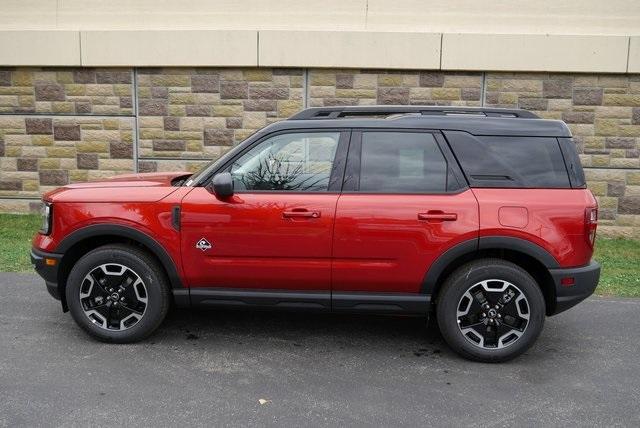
(346,112)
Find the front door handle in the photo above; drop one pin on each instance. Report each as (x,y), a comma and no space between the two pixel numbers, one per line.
(301,213)
(437,216)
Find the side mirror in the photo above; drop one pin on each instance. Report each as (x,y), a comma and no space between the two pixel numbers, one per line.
(222,185)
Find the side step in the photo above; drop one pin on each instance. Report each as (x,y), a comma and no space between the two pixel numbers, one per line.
(252,299)
(317,301)
(383,303)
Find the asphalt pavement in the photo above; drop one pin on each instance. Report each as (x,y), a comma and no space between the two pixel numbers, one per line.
(255,369)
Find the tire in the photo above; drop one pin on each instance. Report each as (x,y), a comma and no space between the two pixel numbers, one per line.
(491,338)
(137,303)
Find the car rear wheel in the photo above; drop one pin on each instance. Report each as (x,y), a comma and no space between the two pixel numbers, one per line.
(117,293)
(490,310)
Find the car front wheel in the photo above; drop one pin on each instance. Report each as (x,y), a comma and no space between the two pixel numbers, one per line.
(117,293)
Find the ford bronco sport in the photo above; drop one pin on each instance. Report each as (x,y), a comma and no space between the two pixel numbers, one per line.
(481,215)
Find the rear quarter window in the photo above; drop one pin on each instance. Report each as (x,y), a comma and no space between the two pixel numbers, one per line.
(572,161)
(521,162)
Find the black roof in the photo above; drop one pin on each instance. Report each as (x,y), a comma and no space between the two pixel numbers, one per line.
(474,120)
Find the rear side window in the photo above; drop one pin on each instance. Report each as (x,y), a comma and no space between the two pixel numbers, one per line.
(525,162)
(401,162)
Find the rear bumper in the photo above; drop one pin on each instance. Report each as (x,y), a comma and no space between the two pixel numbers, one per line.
(585,282)
(48,272)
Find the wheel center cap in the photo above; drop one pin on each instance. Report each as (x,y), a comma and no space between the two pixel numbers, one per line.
(492,313)
(115,296)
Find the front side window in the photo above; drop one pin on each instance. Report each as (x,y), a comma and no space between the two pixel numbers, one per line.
(297,162)
(402,162)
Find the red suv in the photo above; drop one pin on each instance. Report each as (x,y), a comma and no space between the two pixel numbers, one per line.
(481,215)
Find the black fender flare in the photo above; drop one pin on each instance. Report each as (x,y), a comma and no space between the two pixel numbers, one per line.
(473,246)
(124,232)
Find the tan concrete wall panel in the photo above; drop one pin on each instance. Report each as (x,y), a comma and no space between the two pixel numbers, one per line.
(349,49)
(160,48)
(39,48)
(509,52)
(340,49)
(634,55)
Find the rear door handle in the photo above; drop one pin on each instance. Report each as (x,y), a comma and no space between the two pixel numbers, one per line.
(437,216)
(301,213)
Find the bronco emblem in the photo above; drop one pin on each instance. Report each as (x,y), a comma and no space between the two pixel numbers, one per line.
(203,244)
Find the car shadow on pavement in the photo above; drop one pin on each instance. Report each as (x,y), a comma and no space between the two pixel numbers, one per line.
(363,335)
(302,328)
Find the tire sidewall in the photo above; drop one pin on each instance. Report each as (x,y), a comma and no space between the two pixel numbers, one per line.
(156,294)
(470,275)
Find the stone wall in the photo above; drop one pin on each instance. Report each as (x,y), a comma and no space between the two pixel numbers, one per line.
(45,152)
(61,126)
(66,91)
(201,113)
(362,87)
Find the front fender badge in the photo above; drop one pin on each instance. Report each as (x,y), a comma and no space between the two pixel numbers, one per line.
(203,244)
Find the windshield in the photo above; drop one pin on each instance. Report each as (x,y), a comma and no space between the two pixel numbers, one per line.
(193,178)
(213,165)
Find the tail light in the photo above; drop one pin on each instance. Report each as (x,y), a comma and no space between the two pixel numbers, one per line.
(590,224)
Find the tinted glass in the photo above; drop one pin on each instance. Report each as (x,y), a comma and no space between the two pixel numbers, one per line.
(526,162)
(299,162)
(572,160)
(401,162)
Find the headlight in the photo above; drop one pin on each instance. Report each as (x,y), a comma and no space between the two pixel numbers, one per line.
(47,212)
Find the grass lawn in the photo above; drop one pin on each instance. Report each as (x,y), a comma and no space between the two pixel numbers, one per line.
(16,232)
(620,258)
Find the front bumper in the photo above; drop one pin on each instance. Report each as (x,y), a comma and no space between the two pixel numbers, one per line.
(48,271)
(585,282)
